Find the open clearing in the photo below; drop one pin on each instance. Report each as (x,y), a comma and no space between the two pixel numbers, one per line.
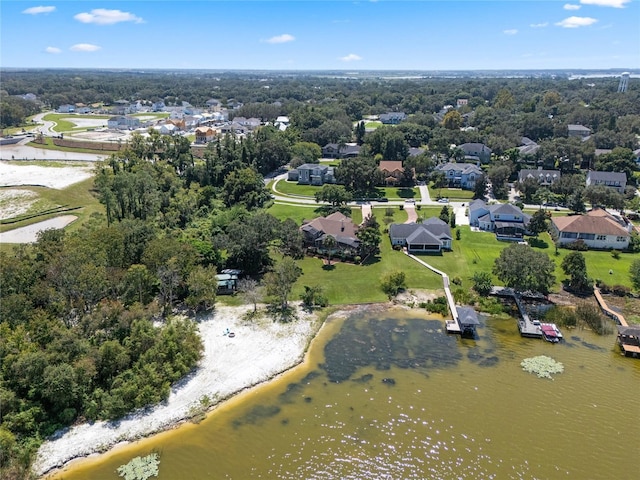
(29,234)
(14,202)
(52,177)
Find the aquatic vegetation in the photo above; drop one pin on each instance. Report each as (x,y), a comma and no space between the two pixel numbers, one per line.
(542,366)
(140,468)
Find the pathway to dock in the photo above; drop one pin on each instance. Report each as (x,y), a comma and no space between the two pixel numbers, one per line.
(525,324)
(453,326)
(605,308)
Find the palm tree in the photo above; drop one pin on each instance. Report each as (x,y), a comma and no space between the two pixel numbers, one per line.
(329,243)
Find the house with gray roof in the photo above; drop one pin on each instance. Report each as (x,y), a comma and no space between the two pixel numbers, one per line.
(392,118)
(615,180)
(312,174)
(543,177)
(506,220)
(460,175)
(528,146)
(581,131)
(476,152)
(334,150)
(432,235)
(468,320)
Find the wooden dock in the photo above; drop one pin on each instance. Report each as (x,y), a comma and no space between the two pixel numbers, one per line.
(526,326)
(452,326)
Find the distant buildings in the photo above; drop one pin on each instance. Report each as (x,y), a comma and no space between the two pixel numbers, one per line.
(578,131)
(431,236)
(505,220)
(460,175)
(312,174)
(543,177)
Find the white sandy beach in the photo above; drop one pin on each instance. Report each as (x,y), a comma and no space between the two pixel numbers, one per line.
(257,353)
(13,174)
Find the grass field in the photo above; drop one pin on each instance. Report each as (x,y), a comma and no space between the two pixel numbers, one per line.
(63,124)
(453,194)
(392,193)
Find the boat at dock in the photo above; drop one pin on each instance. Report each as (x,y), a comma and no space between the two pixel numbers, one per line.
(550,332)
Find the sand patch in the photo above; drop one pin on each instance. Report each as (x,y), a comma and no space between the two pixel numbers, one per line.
(52,177)
(15,202)
(29,234)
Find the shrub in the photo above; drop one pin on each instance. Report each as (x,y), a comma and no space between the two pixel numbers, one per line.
(620,290)
(590,315)
(615,254)
(562,316)
(401,207)
(456,281)
(577,245)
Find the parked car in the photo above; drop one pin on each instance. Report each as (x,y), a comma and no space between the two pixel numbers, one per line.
(443,200)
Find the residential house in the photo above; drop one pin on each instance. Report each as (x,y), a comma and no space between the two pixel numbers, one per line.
(460,175)
(66,108)
(462,102)
(432,235)
(392,171)
(415,151)
(214,104)
(543,177)
(227,281)
(205,134)
(166,129)
(234,128)
(392,118)
(339,226)
(122,122)
(615,180)
(346,150)
(597,229)
(528,147)
(82,108)
(578,131)
(506,220)
(158,106)
(476,152)
(312,174)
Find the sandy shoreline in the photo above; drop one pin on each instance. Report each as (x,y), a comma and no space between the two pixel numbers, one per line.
(258,352)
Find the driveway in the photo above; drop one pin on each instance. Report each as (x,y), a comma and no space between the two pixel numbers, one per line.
(412,215)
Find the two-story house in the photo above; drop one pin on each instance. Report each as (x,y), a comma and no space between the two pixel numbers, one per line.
(543,177)
(337,225)
(460,175)
(596,228)
(506,220)
(392,171)
(334,150)
(476,152)
(312,174)
(205,134)
(615,180)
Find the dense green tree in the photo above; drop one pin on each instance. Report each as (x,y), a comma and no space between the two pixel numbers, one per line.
(539,222)
(305,152)
(634,273)
(482,283)
(360,176)
(498,176)
(393,282)
(452,120)
(575,266)
(480,188)
(523,268)
(336,195)
(245,187)
(369,236)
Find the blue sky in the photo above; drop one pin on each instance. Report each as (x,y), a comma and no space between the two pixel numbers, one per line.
(321,34)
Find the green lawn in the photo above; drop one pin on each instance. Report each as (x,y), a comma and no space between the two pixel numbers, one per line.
(292,188)
(398,193)
(64,123)
(453,194)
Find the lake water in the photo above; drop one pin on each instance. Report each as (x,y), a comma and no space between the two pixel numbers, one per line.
(390,396)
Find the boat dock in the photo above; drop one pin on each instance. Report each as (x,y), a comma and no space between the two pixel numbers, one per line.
(628,337)
(526,326)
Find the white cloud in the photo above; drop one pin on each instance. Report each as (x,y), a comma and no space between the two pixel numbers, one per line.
(575,22)
(571,6)
(284,38)
(352,57)
(605,3)
(511,31)
(52,50)
(102,16)
(539,25)
(85,47)
(38,10)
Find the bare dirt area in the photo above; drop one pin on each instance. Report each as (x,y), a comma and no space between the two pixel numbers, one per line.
(258,351)
(13,174)
(87,122)
(14,202)
(628,306)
